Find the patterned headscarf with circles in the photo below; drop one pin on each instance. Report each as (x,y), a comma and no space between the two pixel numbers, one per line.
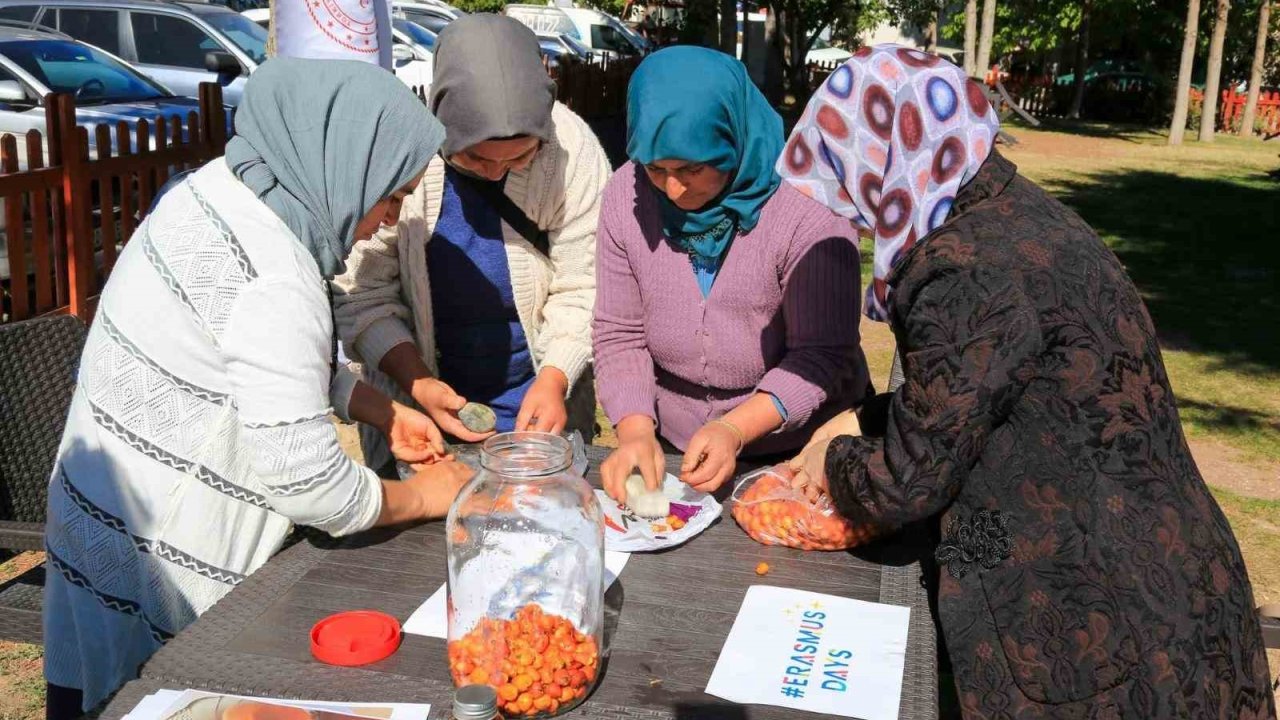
(888,141)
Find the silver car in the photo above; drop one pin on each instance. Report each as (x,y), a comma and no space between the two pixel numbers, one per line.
(178,44)
(35,63)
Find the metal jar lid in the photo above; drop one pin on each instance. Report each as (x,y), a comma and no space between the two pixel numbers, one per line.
(475,702)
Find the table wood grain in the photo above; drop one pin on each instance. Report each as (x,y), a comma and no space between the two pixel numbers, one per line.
(667,618)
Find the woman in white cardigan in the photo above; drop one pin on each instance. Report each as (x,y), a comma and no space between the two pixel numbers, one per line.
(458,302)
(200,431)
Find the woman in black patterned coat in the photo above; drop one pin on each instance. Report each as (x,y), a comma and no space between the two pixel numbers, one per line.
(1088,572)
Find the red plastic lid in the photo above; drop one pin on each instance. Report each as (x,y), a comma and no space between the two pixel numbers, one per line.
(355,638)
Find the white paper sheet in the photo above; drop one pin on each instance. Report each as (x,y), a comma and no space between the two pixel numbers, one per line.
(814,652)
(432,617)
(164,703)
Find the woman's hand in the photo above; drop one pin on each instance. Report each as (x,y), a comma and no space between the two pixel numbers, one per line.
(711,457)
(412,436)
(443,404)
(437,485)
(846,423)
(810,469)
(638,448)
(543,407)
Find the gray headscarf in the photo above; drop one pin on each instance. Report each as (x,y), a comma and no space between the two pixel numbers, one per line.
(489,82)
(323,141)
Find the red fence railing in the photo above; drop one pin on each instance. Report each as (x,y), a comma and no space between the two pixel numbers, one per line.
(73,206)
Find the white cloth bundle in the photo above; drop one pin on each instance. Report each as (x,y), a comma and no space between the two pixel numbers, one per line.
(335,30)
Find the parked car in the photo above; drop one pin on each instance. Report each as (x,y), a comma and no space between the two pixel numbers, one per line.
(178,44)
(34,63)
(559,48)
(433,16)
(411,50)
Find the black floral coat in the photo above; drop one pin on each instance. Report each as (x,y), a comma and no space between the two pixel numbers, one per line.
(1087,571)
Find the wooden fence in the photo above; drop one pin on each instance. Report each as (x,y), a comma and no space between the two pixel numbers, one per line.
(1231,111)
(1138,100)
(75,204)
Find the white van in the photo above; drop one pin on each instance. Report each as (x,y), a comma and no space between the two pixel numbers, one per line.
(601,32)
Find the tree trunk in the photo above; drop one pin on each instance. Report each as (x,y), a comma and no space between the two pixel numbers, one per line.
(1082,60)
(983,63)
(1178,128)
(931,35)
(729,26)
(1255,75)
(796,51)
(774,83)
(271,28)
(970,37)
(1209,115)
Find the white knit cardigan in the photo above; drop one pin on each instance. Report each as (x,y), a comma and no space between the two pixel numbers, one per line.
(384,299)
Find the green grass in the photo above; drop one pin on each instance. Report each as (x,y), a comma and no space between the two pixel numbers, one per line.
(1256,525)
(21,682)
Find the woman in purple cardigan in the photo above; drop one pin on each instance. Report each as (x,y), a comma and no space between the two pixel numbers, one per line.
(725,322)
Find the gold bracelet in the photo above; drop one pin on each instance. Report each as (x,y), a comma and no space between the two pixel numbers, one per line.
(742,439)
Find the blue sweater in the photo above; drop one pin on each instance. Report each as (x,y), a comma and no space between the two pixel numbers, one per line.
(483,353)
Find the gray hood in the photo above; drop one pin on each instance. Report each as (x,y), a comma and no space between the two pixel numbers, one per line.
(489,82)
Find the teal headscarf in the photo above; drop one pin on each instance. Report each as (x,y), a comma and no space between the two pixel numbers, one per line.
(691,103)
(323,141)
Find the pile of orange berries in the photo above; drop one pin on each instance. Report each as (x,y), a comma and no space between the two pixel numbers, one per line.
(538,662)
(772,513)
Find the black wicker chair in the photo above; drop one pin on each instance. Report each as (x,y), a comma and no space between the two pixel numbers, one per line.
(38,362)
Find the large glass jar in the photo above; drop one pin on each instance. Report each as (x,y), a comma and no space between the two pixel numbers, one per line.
(526,577)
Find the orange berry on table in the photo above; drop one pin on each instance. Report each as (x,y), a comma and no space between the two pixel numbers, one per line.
(525,702)
(555,705)
(536,691)
(762,569)
(524,682)
(479,676)
(542,703)
(511,708)
(508,692)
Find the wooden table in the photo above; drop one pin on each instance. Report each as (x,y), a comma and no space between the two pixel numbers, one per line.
(667,618)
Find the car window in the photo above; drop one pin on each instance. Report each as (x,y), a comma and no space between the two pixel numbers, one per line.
(245,33)
(21,13)
(606,38)
(169,40)
(89,74)
(100,28)
(415,32)
(434,23)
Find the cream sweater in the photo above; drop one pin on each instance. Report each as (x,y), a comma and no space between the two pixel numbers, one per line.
(384,298)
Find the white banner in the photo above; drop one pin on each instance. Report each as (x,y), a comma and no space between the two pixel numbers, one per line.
(334,30)
(814,652)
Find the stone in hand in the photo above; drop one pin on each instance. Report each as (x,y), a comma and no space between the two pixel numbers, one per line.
(477,418)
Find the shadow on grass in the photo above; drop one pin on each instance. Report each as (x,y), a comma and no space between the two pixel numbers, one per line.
(1111,131)
(1220,418)
(1203,252)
